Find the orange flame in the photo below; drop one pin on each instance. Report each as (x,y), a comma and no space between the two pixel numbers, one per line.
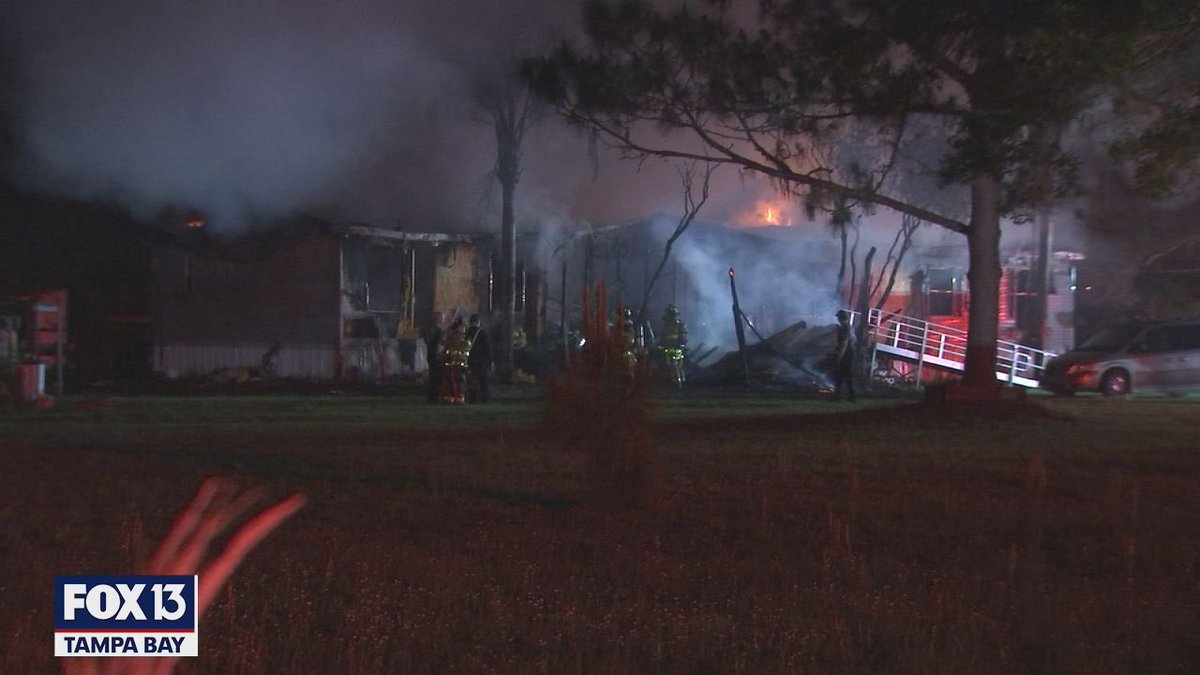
(767,213)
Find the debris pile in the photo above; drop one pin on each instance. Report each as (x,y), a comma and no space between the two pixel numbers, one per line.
(793,357)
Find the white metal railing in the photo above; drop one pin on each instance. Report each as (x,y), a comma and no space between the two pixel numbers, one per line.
(941,346)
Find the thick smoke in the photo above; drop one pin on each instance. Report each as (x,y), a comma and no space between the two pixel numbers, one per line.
(355,111)
(358,110)
(794,283)
(236,109)
(784,275)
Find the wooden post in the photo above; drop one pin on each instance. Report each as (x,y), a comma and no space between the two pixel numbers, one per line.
(741,329)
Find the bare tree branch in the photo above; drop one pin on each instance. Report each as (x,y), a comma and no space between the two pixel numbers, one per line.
(691,207)
(908,227)
(625,142)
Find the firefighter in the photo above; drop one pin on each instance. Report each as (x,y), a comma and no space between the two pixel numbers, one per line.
(672,346)
(479,358)
(454,363)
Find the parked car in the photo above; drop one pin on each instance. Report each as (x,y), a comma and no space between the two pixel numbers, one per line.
(1159,357)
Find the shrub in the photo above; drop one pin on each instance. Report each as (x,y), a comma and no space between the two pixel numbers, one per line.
(598,403)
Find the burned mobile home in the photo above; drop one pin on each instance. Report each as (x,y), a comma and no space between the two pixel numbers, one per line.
(322,301)
(310,300)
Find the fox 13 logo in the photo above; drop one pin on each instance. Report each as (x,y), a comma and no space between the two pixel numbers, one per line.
(125,616)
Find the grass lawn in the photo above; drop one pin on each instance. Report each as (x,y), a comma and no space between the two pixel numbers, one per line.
(766,534)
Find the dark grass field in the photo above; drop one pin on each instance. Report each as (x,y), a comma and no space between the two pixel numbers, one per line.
(765,534)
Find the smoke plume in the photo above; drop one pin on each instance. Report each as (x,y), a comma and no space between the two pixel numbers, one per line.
(359,110)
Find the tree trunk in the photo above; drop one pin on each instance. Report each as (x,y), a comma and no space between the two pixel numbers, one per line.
(508,274)
(983,277)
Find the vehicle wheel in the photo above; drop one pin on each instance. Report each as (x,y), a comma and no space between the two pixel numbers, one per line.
(1115,383)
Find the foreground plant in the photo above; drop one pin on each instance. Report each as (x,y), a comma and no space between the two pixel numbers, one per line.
(213,511)
(599,402)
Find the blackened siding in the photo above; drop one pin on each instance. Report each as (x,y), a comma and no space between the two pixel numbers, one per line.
(291,297)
